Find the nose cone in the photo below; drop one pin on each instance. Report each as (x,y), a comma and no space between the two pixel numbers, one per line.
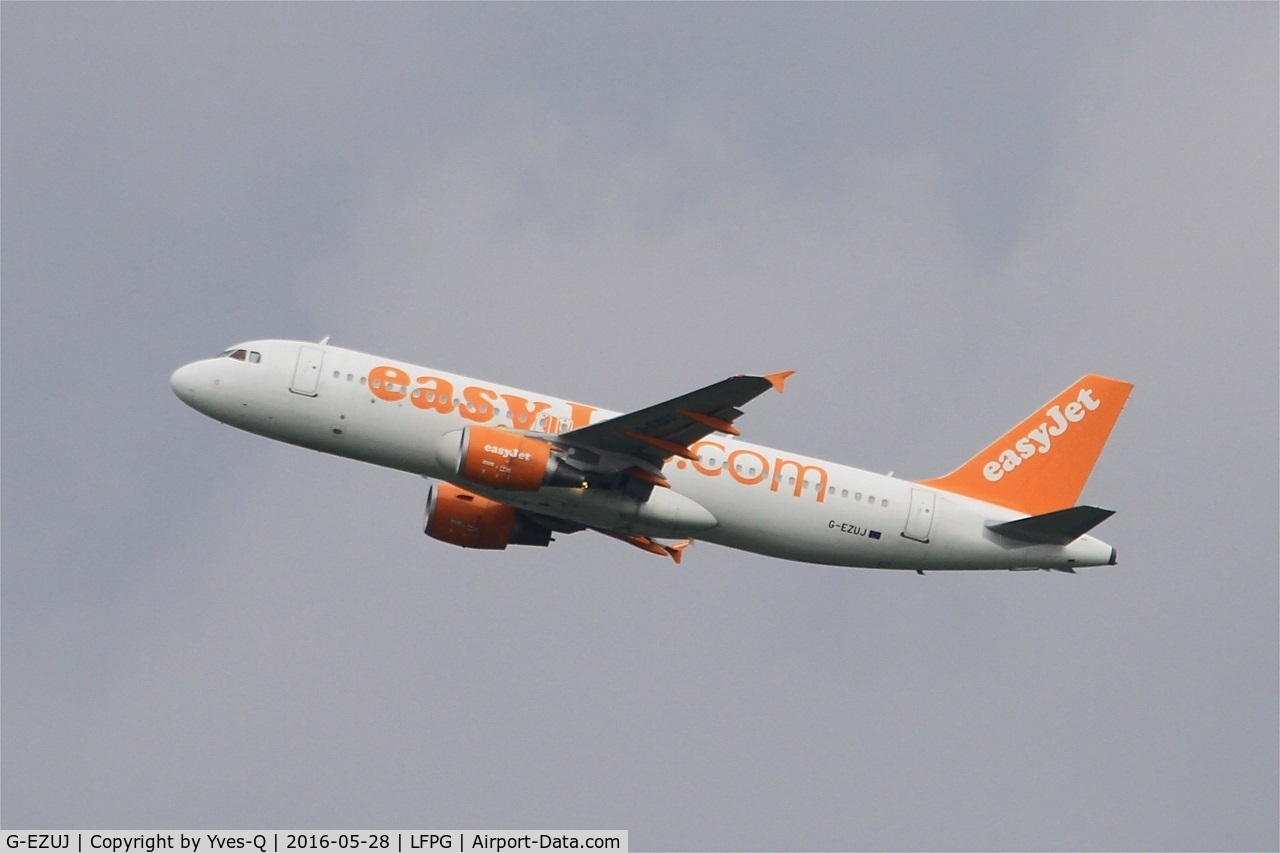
(183,383)
(200,385)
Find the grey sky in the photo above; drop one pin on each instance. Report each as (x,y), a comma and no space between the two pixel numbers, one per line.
(938,215)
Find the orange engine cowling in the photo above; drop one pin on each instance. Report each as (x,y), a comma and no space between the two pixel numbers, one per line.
(502,459)
(460,518)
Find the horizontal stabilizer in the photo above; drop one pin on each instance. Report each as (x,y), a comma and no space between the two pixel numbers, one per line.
(1060,527)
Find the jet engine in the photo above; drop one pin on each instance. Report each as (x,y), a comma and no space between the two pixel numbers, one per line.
(460,518)
(503,459)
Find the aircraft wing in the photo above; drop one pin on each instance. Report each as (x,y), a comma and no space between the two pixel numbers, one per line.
(651,436)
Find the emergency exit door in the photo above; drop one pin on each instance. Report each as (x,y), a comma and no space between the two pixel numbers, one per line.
(306,376)
(920,515)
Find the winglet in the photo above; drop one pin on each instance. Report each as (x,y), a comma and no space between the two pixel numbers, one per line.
(644,543)
(777,380)
(676,549)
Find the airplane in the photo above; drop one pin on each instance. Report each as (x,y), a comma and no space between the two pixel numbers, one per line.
(513,467)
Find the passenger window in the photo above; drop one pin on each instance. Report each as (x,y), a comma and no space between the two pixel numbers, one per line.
(884,502)
(870,499)
(844,493)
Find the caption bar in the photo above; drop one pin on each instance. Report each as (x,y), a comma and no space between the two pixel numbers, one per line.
(279,841)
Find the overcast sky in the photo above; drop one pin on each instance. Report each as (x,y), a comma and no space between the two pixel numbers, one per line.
(939,216)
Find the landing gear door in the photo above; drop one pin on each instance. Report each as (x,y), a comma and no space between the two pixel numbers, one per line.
(306,376)
(920,515)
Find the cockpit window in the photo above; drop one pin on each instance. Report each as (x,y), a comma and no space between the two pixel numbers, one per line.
(242,355)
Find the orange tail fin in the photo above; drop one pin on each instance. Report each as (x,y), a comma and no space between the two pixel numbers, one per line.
(1041,464)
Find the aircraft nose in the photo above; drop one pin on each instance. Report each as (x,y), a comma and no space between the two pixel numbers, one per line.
(183,383)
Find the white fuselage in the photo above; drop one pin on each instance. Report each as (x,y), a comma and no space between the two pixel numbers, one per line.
(763,500)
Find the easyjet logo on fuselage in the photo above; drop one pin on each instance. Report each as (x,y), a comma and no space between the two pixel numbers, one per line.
(751,468)
(476,403)
(1041,439)
(479,404)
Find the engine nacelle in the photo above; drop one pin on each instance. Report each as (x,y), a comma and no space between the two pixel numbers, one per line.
(458,517)
(502,459)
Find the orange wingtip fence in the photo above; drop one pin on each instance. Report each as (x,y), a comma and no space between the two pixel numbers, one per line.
(778,380)
(675,550)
